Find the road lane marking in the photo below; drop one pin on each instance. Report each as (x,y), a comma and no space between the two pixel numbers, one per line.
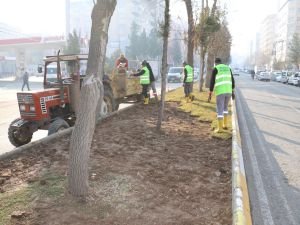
(292,107)
(261,192)
(268,162)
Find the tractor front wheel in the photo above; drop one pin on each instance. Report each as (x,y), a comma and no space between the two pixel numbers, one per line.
(18,136)
(57,125)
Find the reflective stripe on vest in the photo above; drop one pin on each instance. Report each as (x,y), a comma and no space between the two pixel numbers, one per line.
(145,78)
(223,83)
(190,76)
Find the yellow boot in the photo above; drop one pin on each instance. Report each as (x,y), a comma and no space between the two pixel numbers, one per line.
(220,126)
(146,101)
(225,122)
(187,99)
(192,97)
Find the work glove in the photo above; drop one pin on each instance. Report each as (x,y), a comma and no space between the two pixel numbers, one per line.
(209,96)
(233,95)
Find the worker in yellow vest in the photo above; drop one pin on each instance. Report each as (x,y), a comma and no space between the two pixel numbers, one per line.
(144,75)
(188,81)
(222,83)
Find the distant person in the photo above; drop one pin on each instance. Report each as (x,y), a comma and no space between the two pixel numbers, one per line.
(122,62)
(144,75)
(222,83)
(188,81)
(252,72)
(25,80)
(152,81)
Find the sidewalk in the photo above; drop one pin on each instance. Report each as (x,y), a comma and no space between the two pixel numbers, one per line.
(13,79)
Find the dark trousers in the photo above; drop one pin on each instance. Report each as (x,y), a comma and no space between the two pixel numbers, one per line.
(145,90)
(25,83)
(188,87)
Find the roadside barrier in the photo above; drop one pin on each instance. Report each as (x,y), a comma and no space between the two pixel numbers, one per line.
(241,214)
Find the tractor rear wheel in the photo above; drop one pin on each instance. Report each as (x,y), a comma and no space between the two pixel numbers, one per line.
(18,136)
(57,125)
(109,103)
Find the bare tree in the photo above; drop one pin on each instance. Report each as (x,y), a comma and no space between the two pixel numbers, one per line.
(294,50)
(208,24)
(165,34)
(190,50)
(91,93)
(220,44)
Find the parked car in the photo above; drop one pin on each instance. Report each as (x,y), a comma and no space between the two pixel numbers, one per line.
(294,79)
(278,78)
(175,74)
(235,72)
(264,76)
(285,76)
(275,74)
(196,74)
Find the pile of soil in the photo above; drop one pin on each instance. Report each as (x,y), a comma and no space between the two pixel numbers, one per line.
(180,175)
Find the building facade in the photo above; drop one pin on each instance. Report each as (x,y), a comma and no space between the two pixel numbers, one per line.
(288,25)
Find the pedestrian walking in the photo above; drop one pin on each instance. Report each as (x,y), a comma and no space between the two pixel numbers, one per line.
(152,81)
(25,80)
(144,75)
(188,82)
(222,83)
(252,74)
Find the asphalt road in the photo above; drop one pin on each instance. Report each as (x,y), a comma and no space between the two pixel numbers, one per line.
(9,108)
(269,120)
(9,111)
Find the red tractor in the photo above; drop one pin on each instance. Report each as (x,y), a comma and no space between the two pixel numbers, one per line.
(54,108)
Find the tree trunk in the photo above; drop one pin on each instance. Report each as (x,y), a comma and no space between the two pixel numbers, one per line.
(209,69)
(202,63)
(82,138)
(190,50)
(91,92)
(164,64)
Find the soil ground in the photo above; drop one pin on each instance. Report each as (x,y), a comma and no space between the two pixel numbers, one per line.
(181,175)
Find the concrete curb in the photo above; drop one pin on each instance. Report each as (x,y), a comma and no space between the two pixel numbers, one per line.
(241,214)
(45,140)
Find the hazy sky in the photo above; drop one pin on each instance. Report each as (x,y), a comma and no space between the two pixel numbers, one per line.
(44,16)
(244,18)
(34,16)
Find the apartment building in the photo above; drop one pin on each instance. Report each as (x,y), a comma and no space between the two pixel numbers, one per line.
(288,25)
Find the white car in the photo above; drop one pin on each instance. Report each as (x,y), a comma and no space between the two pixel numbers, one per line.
(278,78)
(264,76)
(275,75)
(235,72)
(294,79)
(175,74)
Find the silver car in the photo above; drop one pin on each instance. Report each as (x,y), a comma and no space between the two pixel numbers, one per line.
(266,76)
(294,79)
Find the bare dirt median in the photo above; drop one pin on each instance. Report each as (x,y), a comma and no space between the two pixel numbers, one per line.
(181,175)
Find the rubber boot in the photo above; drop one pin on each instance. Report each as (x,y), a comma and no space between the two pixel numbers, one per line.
(220,126)
(146,101)
(225,122)
(192,97)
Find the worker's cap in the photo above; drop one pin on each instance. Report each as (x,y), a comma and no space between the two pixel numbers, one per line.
(184,63)
(144,63)
(122,55)
(218,60)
